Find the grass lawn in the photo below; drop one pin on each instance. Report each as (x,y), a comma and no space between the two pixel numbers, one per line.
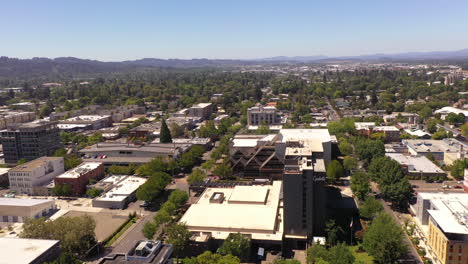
(362,256)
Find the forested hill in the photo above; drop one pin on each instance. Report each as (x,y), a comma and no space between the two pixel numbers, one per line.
(73,67)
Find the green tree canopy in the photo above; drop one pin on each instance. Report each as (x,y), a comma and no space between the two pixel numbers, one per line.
(360,184)
(197,175)
(384,240)
(76,234)
(334,171)
(237,245)
(153,187)
(178,236)
(457,169)
(370,208)
(165,133)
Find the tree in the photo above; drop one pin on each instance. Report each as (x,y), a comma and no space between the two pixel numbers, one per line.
(149,229)
(65,258)
(350,163)
(340,254)
(165,133)
(94,192)
(384,240)
(263,130)
(153,187)
(464,129)
(208,130)
(425,112)
(211,258)
(62,190)
(223,171)
(178,197)
(370,208)
(368,149)
(334,171)
(176,130)
(334,232)
(237,245)
(453,118)
(457,169)
(345,147)
(197,175)
(317,253)
(360,184)
(178,236)
(76,234)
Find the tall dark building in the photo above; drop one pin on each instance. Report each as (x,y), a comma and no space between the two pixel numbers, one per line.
(30,140)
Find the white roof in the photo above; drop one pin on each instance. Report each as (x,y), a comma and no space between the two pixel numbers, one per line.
(21,250)
(22,202)
(364,125)
(415,163)
(81,169)
(449,109)
(418,133)
(300,134)
(245,215)
(450,211)
(386,128)
(125,185)
(87,118)
(248,194)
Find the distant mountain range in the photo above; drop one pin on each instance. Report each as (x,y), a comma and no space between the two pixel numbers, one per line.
(433,55)
(66,67)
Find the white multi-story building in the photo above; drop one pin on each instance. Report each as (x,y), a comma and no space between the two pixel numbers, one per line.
(25,177)
(263,115)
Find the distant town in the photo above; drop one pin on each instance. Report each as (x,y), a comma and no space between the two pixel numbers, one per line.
(281,163)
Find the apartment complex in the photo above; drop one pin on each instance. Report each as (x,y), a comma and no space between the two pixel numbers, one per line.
(444,217)
(202,110)
(79,176)
(25,178)
(263,115)
(30,140)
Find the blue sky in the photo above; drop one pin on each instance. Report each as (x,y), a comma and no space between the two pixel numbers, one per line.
(114,30)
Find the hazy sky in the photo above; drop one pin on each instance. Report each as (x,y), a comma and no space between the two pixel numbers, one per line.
(119,30)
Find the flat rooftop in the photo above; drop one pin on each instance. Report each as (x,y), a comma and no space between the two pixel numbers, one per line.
(450,212)
(415,163)
(21,250)
(80,170)
(22,202)
(432,145)
(89,118)
(251,210)
(124,186)
(305,134)
(386,128)
(37,163)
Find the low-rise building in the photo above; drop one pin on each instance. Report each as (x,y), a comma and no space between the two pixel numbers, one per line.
(447,150)
(252,210)
(392,133)
(79,177)
(25,178)
(18,210)
(4,182)
(444,218)
(365,128)
(126,153)
(445,111)
(85,122)
(121,191)
(202,110)
(417,167)
(28,251)
(144,251)
(418,133)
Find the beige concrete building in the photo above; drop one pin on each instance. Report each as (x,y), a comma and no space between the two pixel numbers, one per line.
(26,177)
(28,251)
(13,117)
(18,210)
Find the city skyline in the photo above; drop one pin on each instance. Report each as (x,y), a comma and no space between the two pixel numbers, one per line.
(117,31)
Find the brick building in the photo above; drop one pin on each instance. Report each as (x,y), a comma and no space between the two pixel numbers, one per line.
(79,177)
